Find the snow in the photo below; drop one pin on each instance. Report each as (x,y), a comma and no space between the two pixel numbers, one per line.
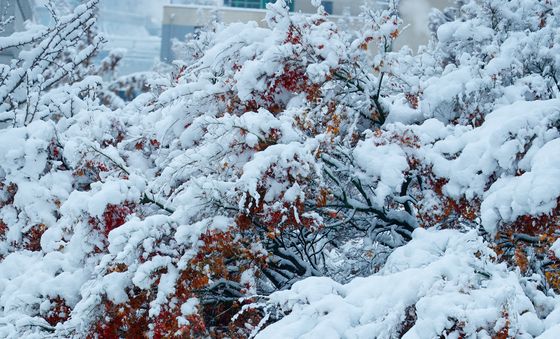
(551,333)
(442,273)
(343,189)
(190,306)
(494,148)
(389,171)
(293,155)
(534,192)
(441,90)
(556,248)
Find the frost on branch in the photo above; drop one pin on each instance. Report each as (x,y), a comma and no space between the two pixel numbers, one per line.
(442,283)
(288,175)
(43,64)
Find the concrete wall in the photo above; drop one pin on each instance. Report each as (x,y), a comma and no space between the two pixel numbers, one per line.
(168,33)
(178,20)
(415,14)
(340,7)
(191,15)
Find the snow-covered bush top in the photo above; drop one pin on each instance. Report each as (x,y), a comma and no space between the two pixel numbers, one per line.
(296,180)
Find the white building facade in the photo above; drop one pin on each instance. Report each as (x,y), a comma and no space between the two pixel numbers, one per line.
(182,17)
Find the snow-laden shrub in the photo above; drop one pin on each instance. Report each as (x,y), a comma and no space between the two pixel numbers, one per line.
(296,157)
(442,283)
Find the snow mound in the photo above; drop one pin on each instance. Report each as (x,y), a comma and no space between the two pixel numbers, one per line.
(442,282)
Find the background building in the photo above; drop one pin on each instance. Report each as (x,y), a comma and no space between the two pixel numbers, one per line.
(146,28)
(20,11)
(182,17)
(415,14)
(335,7)
(134,32)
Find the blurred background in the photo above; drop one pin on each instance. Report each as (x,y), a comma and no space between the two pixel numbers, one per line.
(144,30)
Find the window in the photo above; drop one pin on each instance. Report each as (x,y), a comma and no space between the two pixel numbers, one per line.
(328,6)
(251,3)
(243,3)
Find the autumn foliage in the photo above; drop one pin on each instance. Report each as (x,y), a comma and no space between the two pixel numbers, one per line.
(293,154)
